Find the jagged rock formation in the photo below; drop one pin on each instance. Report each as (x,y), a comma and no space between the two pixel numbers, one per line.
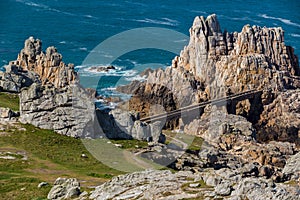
(48,65)
(50,97)
(216,64)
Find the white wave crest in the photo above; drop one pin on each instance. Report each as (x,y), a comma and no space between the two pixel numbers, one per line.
(103,70)
(136,78)
(33,4)
(295,35)
(285,21)
(164,21)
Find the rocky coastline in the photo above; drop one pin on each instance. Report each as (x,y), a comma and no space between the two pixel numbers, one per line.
(249,149)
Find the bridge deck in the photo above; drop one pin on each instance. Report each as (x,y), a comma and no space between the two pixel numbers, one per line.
(221,101)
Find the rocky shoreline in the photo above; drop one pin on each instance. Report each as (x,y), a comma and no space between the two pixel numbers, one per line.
(250,147)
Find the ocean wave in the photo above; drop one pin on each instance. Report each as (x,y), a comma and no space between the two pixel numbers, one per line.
(198,12)
(109,89)
(295,35)
(43,6)
(160,22)
(240,18)
(33,4)
(90,16)
(94,71)
(83,49)
(179,41)
(285,21)
(137,3)
(136,78)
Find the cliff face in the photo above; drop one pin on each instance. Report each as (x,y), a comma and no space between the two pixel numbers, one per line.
(216,64)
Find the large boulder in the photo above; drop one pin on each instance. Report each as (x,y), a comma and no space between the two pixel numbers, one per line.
(122,124)
(64,189)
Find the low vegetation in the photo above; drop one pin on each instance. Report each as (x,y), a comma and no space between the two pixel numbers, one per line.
(48,156)
(8,100)
(193,143)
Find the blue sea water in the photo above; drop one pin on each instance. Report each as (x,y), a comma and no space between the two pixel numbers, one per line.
(77,27)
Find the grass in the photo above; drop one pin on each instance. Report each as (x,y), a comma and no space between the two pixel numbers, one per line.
(8,100)
(49,156)
(130,144)
(194,143)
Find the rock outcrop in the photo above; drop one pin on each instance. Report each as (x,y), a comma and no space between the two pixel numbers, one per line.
(48,65)
(217,64)
(14,78)
(121,124)
(6,114)
(64,189)
(281,118)
(50,96)
(152,184)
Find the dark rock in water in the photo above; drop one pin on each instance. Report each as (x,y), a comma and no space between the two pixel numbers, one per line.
(102,68)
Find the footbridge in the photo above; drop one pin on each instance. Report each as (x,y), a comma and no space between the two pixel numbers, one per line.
(231,99)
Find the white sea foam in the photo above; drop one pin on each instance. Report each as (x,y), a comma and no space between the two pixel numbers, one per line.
(93,71)
(90,16)
(295,35)
(43,6)
(178,41)
(285,21)
(83,49)
(161,22)
(109,89)
(136,78)
(62,42)
(198,12)
(32,4)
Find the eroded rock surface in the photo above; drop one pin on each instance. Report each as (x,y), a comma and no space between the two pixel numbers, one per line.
(153,184)
(64,189)
(217,64)
(50,96)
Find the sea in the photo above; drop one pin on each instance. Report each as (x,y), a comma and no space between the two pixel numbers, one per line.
(78,27)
